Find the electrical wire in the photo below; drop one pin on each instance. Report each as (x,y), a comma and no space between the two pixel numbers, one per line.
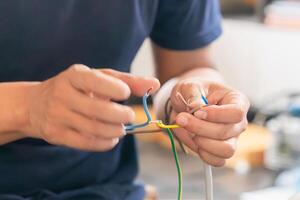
(145,106)
(164,126)
(170,134)
(168,110)
(208,182)
(130,129)
(144,131)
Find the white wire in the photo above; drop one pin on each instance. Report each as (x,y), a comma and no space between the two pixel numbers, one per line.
(209,192)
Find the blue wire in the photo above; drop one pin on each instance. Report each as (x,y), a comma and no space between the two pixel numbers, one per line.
(148,115)
(145,106)
(204,99)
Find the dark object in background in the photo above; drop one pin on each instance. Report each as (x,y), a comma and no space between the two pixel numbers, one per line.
(260,8)
(237,7)
(281,103)
(245,7)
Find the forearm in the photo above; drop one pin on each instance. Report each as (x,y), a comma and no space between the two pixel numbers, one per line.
(203,73)
(185,64)
(13,110)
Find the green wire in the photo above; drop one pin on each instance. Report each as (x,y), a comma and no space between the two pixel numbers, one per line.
(132,127)
(179,196)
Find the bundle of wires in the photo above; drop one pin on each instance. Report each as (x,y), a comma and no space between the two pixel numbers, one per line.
(167,128)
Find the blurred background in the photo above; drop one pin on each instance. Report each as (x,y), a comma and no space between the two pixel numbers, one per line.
(259,54)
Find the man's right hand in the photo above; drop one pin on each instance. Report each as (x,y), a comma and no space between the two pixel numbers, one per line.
(78,109)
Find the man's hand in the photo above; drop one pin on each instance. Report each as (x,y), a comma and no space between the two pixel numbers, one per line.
(78,109)
(212,131)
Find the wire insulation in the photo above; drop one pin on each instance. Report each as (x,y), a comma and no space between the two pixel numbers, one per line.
(145,106)
(179,194)
(130,129)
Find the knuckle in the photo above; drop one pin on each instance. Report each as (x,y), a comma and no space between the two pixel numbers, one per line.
(219,163)
(124,92)
(214,161)
(107,70)
(239,114)
(223,134)
(110,144)
(229,151)
(78,68)
(129,115)
(119,131)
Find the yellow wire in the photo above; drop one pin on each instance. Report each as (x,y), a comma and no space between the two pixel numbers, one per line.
(168,127)
(164,126)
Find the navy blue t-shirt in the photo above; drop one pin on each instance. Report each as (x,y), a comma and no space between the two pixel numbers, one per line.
(39,39)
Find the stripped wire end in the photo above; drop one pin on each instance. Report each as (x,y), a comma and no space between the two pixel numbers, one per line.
(149,91)
(179,96)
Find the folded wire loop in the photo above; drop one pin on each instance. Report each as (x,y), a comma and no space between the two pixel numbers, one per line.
(149,118)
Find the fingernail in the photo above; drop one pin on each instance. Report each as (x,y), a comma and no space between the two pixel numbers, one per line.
(182,120)
(200,114)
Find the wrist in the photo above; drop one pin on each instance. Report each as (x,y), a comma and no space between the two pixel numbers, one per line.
(162,97)
(15,110)
(207,74)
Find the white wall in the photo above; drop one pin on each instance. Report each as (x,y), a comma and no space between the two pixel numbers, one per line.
(255,59)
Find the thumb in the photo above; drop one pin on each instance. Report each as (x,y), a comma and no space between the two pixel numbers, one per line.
(188,96)
(138,85)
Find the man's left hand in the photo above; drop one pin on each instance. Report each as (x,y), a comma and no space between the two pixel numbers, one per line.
(211,131)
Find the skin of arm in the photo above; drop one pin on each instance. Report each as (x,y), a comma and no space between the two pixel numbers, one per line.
(212,131)
(13,110)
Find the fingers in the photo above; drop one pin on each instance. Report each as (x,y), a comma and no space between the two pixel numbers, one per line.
(222,149)
(230,113)
(74,139)
(211,159)
(203,128)
(96,128)
(100,109)
(231,106)
(185,137)
(85,79)
(138,85)
(215,152)
(60,135)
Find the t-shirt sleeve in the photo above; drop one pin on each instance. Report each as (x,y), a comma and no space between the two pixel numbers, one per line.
(186,24)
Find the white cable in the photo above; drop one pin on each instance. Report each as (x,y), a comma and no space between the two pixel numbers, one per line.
(209,192)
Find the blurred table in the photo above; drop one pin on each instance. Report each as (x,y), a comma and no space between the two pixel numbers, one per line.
(157,168)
